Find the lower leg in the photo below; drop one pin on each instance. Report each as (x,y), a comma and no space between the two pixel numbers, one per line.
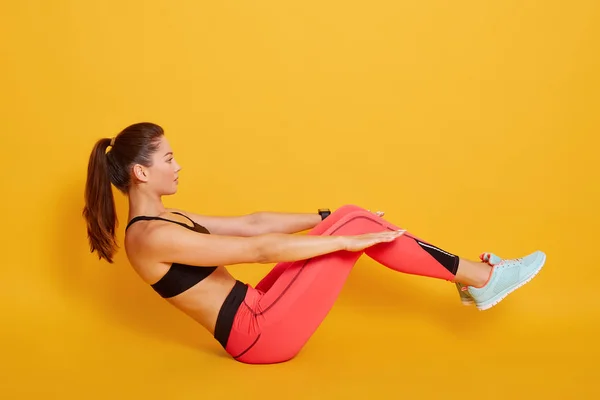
(410,254)
(487,285)
(415,257)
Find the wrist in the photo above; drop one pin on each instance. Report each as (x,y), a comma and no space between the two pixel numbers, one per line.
(324,213)
(342,242)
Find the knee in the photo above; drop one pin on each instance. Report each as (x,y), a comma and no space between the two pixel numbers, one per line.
(347,208)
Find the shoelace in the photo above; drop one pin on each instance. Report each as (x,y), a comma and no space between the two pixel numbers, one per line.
(483,257)
(518,260)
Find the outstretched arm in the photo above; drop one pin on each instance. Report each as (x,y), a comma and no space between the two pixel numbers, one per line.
(254,224)
(278,222)
(237,225)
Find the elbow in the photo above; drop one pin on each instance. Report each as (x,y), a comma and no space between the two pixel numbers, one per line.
(261,259)
(256,224)
(262,255)
(263,250)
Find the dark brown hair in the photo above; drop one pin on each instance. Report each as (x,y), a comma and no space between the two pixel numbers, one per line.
(133,145)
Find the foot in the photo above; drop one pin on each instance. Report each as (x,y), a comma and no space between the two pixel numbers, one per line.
(506,277)
(465,297)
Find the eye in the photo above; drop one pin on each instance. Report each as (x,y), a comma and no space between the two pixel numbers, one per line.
(169,160)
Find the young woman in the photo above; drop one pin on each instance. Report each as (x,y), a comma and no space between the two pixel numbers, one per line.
(183,255)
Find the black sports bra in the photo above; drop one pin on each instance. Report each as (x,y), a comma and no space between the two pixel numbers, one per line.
(179,277)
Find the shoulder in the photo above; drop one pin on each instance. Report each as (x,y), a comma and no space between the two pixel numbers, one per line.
(142,237)
(149,232)
(159,243)
(140,245)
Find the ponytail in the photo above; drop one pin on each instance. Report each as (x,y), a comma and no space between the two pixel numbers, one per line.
(99,210)
(133,145)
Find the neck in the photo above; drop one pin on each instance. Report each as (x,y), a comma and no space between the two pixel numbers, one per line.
(144,203)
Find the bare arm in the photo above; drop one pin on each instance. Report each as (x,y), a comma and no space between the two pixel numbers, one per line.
(278,222)
(173,243)
(278,247)
(237,225)
(256,223)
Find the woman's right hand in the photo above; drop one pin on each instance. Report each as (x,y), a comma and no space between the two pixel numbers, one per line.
(361,242)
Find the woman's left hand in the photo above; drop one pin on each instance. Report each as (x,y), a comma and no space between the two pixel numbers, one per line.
(378,213)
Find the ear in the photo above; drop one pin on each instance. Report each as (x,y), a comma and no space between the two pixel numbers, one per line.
(140,173)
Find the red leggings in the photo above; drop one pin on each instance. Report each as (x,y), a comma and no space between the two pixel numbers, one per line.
(278,316)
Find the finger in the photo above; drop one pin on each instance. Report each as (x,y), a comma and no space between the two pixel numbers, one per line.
(392,237)
(395,234)
(392,233)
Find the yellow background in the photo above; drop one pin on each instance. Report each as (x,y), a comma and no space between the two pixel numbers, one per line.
(473,124)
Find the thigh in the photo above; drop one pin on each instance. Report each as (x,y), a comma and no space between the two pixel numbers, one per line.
(274,326)
(285,316)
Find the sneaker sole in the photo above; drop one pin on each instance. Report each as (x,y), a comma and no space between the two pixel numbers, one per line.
(467,302)
(500,297)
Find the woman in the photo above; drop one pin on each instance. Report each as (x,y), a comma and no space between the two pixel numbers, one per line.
(182,255)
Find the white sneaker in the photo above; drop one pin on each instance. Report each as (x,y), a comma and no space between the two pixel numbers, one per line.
(463,292)
(507,276)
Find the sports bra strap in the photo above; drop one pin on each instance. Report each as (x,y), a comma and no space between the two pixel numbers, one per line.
(175,212)
(146,218)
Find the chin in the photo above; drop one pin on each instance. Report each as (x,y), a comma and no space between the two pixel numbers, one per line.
(168,192)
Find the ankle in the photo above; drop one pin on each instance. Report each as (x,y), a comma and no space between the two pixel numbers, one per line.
(483,276)
(472,273)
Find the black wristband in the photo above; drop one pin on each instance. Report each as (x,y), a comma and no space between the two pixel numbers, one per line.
(324,213)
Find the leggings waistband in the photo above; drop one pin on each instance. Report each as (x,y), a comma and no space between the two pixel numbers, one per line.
(228,311)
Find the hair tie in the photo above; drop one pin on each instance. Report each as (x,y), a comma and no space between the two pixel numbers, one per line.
(112,142)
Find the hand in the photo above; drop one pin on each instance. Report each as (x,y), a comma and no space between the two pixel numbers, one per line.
(360,242)
(378,213)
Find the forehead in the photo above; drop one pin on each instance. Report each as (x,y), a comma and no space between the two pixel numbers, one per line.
(164,147)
